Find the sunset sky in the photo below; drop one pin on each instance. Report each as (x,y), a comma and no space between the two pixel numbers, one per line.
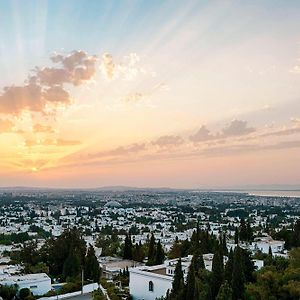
(149,93)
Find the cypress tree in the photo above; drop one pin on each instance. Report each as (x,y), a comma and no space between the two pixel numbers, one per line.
(238,278)
(160,254)
(190,283)
(249,232)
(217,273)
(243,230)
(91,266)
(151,251)
(199,261)
(178,282)
(71,267)
(229,267)
(225,292)
(127,248)
(236,236)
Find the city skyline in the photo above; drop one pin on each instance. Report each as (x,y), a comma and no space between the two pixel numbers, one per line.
(151,94)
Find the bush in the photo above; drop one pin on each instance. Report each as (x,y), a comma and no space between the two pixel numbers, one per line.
(8,292)
(98,295)
(70,287)
(24,293)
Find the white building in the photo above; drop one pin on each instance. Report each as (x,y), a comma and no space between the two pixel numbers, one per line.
(148,283)
(39,284)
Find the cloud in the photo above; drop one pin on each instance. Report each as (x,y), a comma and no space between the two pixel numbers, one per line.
(134,148)
(46,86)
(237,128)
(134,97)
(295,69)
(42,128)
(127,69)
(282,132)
(296,121)
(234,128)
(75,68)
(202,135)
(168,140)
(6,126)
(16,99)
(51,142)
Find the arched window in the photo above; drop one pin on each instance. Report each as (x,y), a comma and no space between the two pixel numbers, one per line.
(151,286)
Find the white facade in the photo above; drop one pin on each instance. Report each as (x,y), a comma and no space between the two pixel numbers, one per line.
(140,282)
(39,284)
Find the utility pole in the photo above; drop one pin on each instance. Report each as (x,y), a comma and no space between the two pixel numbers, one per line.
(82,280)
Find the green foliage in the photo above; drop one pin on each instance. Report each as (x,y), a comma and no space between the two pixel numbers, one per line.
(178,282)
(225,292)
(160,254)
(8,292)
(24,293)
(91,266)
(65,255)
(217,273)
(151,251)
(127,247)
(109,244)
(71,287)
(13,238)
(98,295)
(277,281)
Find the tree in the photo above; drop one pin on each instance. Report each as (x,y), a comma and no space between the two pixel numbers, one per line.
(127,247)
(70,246)
(238,278)
(160,254)
(151,251)
(236,236)
(217,273)
(243,231)
(91,266)
(71,267)
(24,293)
(190,283)
(225,292)
(178,283)
(229,267)
(8,292)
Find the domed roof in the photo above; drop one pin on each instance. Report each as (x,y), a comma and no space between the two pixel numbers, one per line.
(113,204)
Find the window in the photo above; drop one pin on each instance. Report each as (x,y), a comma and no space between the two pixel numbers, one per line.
(33,286)
(151,286)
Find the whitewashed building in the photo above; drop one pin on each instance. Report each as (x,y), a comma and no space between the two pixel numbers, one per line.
(39,283)
(148,283)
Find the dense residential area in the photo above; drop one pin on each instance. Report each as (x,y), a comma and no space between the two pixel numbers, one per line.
(148,244)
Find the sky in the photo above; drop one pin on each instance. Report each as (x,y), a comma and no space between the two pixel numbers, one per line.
(185,94)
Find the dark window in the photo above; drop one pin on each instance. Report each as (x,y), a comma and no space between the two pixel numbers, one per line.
(151,286)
